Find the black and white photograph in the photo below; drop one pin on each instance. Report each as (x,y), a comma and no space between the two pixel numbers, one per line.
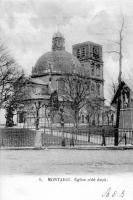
(66,99)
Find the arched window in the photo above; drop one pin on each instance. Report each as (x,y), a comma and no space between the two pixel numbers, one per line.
(21,117)
(44,90)
(98,70)
(92,68)
(61,85)
(83,52)
(93,88)
(98,89)
(78,53)
(82,119)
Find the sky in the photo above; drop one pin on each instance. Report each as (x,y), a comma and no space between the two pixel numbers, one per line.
(27,26)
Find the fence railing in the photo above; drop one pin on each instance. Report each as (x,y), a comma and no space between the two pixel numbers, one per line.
(14,137)
(91,136)
(20,137)
(126,136)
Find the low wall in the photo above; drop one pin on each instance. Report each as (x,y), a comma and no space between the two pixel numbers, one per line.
(15,137)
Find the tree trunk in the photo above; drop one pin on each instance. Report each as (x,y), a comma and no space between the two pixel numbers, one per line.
(9,117)
(108,120)
(76,122)
(116,141)
(37,119)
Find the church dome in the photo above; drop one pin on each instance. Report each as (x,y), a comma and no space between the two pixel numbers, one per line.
(58,60)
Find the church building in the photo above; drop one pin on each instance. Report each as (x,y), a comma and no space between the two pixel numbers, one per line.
(46,74)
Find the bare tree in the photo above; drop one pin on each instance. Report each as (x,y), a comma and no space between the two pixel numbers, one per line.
(120,54)
(90,107)
(74,92)
(8,73)
(52,109)
(15,100)
(94,109)
(113,88)
(108,114)
(33,108)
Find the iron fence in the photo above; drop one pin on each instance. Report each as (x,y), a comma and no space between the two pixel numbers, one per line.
(14,137)
(20,137)
(90,136)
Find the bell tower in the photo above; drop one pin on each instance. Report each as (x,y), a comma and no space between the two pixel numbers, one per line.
(58,42)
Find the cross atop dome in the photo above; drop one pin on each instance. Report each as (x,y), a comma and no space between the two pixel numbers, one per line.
(58,41)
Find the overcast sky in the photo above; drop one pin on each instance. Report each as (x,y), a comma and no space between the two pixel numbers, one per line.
(27,26)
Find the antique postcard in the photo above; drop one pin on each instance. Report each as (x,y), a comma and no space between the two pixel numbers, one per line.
(66,99)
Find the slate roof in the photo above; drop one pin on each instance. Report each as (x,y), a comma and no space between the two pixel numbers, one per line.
(61,61)
(37,81)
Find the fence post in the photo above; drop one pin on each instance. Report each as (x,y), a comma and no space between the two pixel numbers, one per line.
(38,140)
(125,137)
(2,143)
(63,142)
(103,138)
(89,135)
(72,142)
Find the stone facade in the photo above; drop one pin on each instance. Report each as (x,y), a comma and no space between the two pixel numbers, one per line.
(90,56)
(51,66)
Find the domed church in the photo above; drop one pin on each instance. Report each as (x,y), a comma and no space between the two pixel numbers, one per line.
(45,78)
(57,61)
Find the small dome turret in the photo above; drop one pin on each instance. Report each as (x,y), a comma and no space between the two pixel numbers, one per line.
(58,42)
(58,35)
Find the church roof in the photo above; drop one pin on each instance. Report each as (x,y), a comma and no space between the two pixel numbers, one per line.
(58,60)
(37,81)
